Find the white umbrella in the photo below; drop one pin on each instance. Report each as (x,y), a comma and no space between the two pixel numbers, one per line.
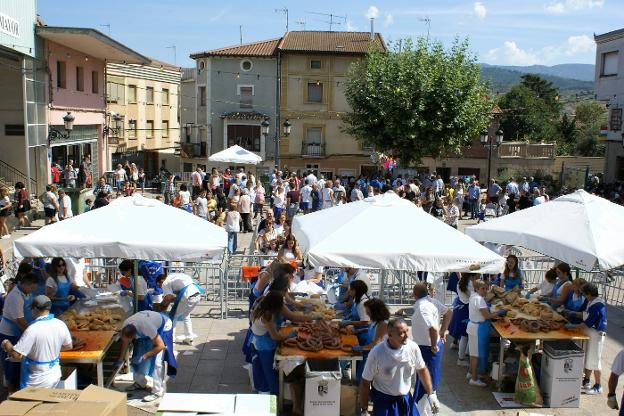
(133,228)
(236,154)
(581,229)
(387,232)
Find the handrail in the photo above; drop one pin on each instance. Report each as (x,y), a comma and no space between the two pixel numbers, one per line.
(11,175)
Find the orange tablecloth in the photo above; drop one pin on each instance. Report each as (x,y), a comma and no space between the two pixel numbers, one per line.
(97,342)
(513,332)
(323,354)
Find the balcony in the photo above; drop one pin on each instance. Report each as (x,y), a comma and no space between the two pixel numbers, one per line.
(312,149)
(192,150)
(526,150)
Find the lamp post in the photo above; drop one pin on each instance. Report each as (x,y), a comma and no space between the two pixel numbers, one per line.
(490,142)
(68,122)
(117,125)
(286,126)
(264,129)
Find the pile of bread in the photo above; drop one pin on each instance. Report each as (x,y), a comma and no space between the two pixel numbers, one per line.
(96,320)
(316,306)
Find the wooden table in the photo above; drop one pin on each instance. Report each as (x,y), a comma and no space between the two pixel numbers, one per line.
(285,353)
(97,344)
(512,332)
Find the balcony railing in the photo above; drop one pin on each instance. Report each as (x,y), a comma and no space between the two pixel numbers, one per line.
(312,149)
(525,150)
(192,150)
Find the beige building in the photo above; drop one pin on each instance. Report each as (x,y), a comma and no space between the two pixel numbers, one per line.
(313,71)
(142,112)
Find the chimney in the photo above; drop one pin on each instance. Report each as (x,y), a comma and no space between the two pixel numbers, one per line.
(372,34)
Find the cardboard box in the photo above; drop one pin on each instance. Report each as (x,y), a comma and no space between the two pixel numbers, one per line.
(212,404)
(322,388)
(92,401)
(69,378)
(255,405)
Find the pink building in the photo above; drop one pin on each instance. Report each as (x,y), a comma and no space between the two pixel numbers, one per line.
(76,63)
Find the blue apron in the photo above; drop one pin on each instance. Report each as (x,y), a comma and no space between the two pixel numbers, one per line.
(179,295)
(26,362)
(433,361)
(355,316)
(27,315)
(483,335)
(370,338)
(459,319)
(142,305)
(12,369)
(143,344)
(511,283)
(555,291)
(262,351)
(574,305)
(386,405)
(62,291)
(452,282)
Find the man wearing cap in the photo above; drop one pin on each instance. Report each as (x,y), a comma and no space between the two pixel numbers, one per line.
(152,334)
(40,346)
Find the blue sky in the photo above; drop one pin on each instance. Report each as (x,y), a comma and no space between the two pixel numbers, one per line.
(509,32)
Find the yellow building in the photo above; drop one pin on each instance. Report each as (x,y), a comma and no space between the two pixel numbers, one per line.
(313,71)
(142,110)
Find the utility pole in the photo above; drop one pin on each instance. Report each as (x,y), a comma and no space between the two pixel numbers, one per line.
(175,55)
(283,11)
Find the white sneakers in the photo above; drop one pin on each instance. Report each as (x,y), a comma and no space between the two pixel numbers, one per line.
(477,383)
(4,237)
(463,363)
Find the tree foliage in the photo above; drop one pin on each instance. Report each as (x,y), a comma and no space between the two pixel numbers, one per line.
(421,100)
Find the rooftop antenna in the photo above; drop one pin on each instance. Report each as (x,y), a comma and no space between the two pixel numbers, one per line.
(427,21)
(301,22)
(175,55)
(332,19)
(107,25)
(283,11)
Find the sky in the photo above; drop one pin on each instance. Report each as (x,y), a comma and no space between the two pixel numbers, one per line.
(503,32)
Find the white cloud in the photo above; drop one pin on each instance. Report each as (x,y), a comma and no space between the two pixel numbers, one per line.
(218,16)
(351,27)
(512,54)
(372,12)
(572,5)
(388,20)
(479,10)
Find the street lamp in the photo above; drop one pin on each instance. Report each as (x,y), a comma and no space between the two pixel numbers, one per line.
(68,122)
(117,125)
(491,142)
(287,127)
(265,127)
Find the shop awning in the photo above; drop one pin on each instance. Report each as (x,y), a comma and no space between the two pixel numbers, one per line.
(92,43)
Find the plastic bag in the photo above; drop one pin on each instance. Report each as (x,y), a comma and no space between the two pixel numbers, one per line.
(527,390)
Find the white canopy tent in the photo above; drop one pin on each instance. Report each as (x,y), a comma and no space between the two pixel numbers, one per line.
(236,154)
(387,232)
(581,229)
(133,228)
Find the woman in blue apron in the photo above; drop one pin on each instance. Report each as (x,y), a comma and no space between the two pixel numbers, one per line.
(58,286)
(460,317)
(379,314)
(357,292)
(512,276)
(563,285)
(264,339)
(575,303)
(12,326)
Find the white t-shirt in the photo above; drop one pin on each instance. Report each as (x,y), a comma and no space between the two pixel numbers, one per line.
(617,367)
(361,310)
(311,273)
(65,203)
(48,199)
(539,200)
(545,288)
(42,341)
(390,370)
(202,206)
(306,194)
(425,316)
(120,174)
(75,271)
(279,200)
(51,283)
(176,282)
(474,307)
(185,197)
(13,310)
(147,323)
(141,286)
(232,222)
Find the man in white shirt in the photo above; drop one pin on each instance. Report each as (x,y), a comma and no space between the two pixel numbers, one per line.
(512,187)
(180,290)
(39,347)
(311,178)
(339,191)
(537,197)
(201,205)
(306,196)
(429,335)
(120,177)
(356,193)
(152,334)
(321,182)
(388,372)
(65,207)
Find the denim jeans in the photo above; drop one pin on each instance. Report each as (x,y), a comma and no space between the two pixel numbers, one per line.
(474,208)
(232,241)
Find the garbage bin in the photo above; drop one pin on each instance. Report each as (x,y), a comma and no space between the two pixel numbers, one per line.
(561,374)
(78,197)
(322,387)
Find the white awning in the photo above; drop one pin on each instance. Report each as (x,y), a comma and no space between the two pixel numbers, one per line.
(236,154)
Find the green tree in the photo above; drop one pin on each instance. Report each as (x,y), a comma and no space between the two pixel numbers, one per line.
(421,100)
(567,136)
(590,116)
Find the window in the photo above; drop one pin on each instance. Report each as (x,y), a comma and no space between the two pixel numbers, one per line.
(79,78)
(149,95)
(316,64)
(202,96)
(115,90)
(314,135)
(315,92)
(202,65)
(95,82)
(149,129)
(246,65)
(615,122)
(13,129)
(132,128)
(61,77)
(132,96)
(247,137)
(165,96)
(165,128)
(609,64)
(246,96)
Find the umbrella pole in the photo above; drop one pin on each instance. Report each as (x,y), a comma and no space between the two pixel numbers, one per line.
(135,295)
(578,273)
(382,282)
